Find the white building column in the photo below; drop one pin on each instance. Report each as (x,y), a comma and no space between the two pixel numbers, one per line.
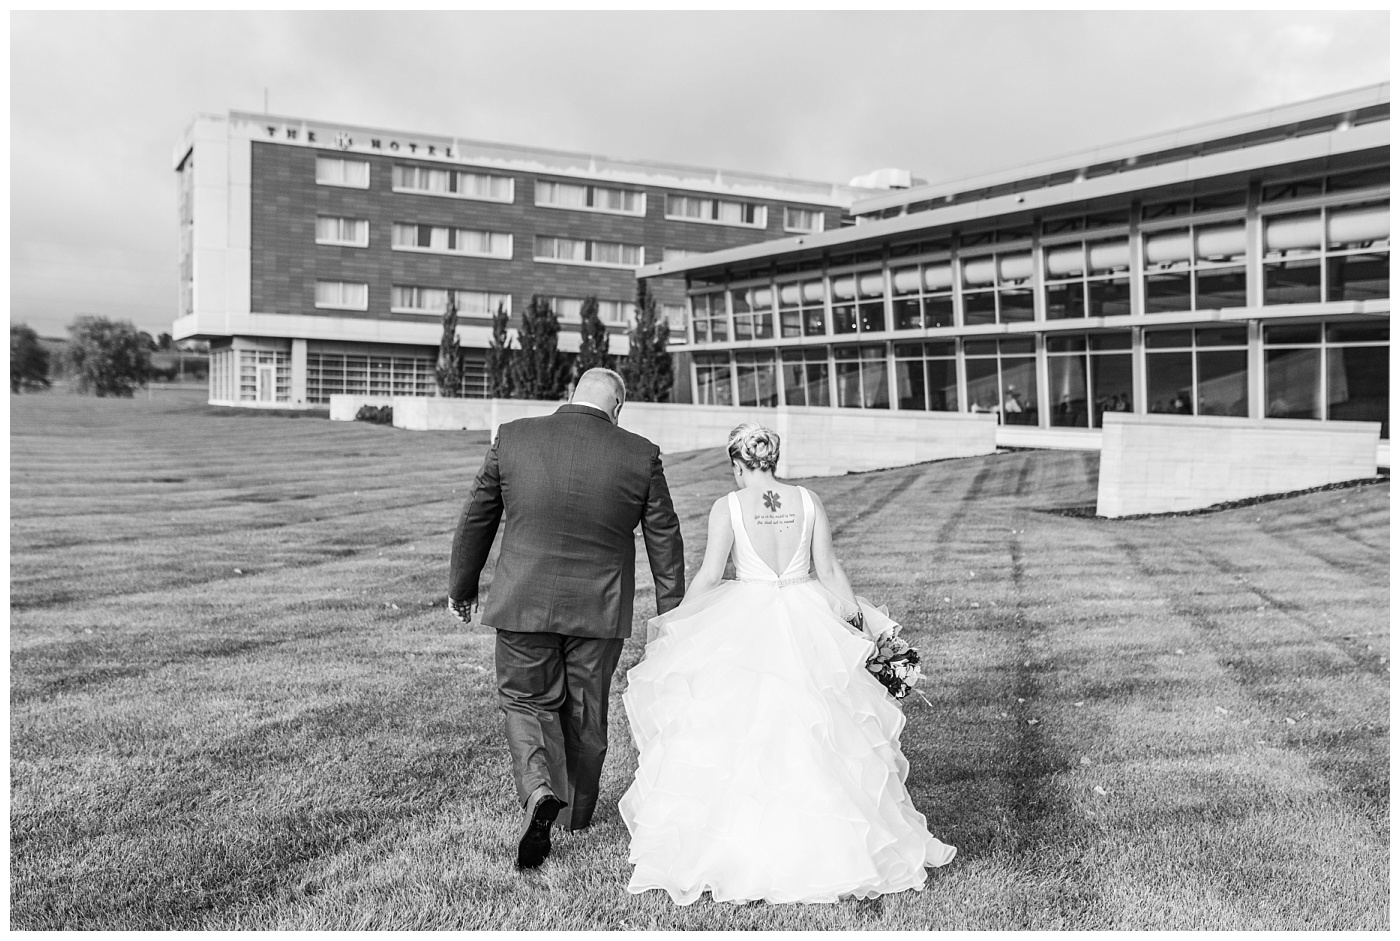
(298,390)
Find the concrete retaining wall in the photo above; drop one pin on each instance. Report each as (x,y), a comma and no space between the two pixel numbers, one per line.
(1169,463)
(821,442)
(817,442)
(344,407)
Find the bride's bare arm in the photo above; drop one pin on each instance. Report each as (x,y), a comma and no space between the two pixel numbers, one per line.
(824,558)
(717,545)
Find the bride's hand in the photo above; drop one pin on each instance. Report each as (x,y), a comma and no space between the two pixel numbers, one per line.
(852,615)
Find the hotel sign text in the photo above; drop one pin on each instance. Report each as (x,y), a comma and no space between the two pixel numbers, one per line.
(344,141)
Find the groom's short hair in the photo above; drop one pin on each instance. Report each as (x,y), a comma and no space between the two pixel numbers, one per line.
(601,379)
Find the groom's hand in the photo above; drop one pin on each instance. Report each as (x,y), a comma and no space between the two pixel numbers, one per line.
(462,610)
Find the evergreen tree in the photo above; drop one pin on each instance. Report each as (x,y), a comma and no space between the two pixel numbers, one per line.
(449,360)
(108,357)
(499,356)
(647,369)
(29,361)
(538,369)
(593,339)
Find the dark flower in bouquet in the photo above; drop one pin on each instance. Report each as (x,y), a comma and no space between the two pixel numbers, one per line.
(896,664)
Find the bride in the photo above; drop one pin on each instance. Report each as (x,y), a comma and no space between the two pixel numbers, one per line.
(769,763)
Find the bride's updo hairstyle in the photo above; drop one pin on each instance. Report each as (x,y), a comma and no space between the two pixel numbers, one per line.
(754,446)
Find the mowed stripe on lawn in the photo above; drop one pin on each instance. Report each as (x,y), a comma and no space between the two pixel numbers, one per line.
(315,744)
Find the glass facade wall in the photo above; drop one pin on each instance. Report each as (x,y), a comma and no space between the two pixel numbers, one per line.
(906,326)
(330,374)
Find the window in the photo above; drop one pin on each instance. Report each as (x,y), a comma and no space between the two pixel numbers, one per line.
(719,211)
(264,375)
(806,376)
(581,252)
(1197,372)
(589,197)
(481,303)
(674,315)
(570,310)
(337,171)
(459,183)
(436,238)
(1194,268)
(997,289)
(1089,375)
(753,313)
(923,296)
(861,376)
(409,299)
(617,312)
(330,374)
(1001,378)
(416,300)
(1358,253)
(926,376)
(676,254)
(803,220)
(346,295)
(333,230)
(1336,371)
(1087,279)
(709,318)
(1206,202)
(757,376)
(714,384)
(802,308)
(858,302)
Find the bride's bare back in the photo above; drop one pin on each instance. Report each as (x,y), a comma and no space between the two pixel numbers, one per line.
(773,519)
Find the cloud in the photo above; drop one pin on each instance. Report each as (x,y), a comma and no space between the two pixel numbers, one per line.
(99,98)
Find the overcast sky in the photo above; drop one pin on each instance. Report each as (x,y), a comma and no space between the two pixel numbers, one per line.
(98,100)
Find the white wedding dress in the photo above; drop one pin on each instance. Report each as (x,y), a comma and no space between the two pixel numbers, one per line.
(769,763)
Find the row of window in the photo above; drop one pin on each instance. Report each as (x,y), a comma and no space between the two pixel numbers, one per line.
(413,299)
(250,375)
(330,374)
(354,233)
(1333,254)
(467,184)
(1334,372)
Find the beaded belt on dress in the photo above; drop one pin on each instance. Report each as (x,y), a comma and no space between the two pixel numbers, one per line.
(780,582)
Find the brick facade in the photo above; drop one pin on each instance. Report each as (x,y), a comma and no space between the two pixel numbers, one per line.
(286,261)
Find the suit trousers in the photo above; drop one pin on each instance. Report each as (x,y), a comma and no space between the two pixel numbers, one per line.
(554,692)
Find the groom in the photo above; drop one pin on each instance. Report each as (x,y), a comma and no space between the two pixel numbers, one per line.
(572,487)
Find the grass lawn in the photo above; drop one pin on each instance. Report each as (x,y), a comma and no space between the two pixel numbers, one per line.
(236,700)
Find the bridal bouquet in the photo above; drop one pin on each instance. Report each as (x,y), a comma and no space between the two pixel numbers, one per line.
(896,664)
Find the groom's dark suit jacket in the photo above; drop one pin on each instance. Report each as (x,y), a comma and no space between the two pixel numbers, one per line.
(572,487)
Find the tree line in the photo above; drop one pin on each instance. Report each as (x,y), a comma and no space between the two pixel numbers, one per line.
(104,358)
(535,368)
(112,358)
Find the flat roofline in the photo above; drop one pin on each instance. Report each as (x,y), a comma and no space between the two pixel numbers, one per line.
(1197,134)
(839,194)
(1299,150)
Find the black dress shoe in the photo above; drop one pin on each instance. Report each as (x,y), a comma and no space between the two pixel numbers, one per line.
(540,812)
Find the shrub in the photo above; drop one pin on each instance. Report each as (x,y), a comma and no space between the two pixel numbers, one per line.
(109,357)
(29,361)
(538,369)
(449,361)
(593,339)
(647,368)
(498,356)
(379,414)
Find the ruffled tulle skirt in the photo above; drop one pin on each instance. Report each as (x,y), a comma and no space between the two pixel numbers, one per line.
(769,763)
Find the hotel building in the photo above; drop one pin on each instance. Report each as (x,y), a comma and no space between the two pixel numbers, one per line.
(1240,267)
(318,258)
